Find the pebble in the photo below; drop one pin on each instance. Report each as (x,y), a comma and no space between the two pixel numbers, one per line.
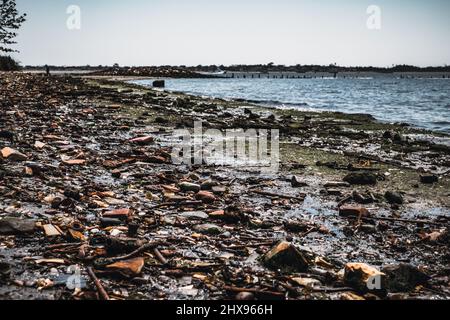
(394,197)
(361,276)
(189,187)
(361,178)
(16,226)
(205,197)
(286,257)
(200,215)
(210,229)
(13,155)
(353,211)
(429,179)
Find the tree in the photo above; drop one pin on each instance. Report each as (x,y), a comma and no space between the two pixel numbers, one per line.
(10,21)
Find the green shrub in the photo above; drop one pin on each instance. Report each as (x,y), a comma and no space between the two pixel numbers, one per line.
(8,64)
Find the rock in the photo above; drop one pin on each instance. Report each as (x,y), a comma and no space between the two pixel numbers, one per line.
(76,235)
(133,229)
(226,234)
(307,282)
(321,262)
(297,183)
(109,222)
(51,261)
(143,140)
(33,168)
(383,226)
(72,193)
(348,231)
(39,145)
(5,134)
(123,214)
(51,230)
(297,226)
(159,84)
(226,215)
(285,257)
(5,269)
(116,164)
(334,192)
(161,120)
(28,171)
(131,267)
(363,277)
(111,200)
(170,197)
(16,226)
(328,164)
(397,137)
(404,277)
(199,215)
(361,178)
(445,237)
(13,155)
(429,179)
(350,296)
(393,197)
(208,228)
(436,237)
(368,228)
(219,190)
(388,135)
(245,296)
(189,187)
(120,244)
(170,188)
(116,173)
(208,185)
(363,199)
(230,215)
(398,297)
(156,159)
(336,184)
(218,214)
(206,197)
(353,211)
(55,202)
(74,162)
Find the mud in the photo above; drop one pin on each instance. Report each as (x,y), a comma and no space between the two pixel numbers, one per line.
(82,166)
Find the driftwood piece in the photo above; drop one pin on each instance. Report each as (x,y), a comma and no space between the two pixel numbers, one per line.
(101,291)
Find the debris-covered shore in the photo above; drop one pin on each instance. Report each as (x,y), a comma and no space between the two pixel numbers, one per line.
(93,208)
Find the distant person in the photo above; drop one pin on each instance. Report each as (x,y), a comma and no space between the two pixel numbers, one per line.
(47,70)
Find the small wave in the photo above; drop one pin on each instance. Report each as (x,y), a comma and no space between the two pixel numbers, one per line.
(441,123)
(273,102)
(420,103)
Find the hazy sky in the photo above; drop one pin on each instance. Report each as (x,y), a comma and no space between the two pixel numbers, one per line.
(191,32)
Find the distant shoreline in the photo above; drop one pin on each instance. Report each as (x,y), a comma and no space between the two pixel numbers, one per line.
(254,75)
(251,71)
(341,75)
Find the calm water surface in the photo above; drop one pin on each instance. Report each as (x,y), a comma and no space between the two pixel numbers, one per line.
(424,103)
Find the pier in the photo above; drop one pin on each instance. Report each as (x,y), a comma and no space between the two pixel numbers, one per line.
(331,75)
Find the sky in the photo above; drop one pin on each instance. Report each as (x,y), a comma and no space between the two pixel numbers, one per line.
(193,32)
